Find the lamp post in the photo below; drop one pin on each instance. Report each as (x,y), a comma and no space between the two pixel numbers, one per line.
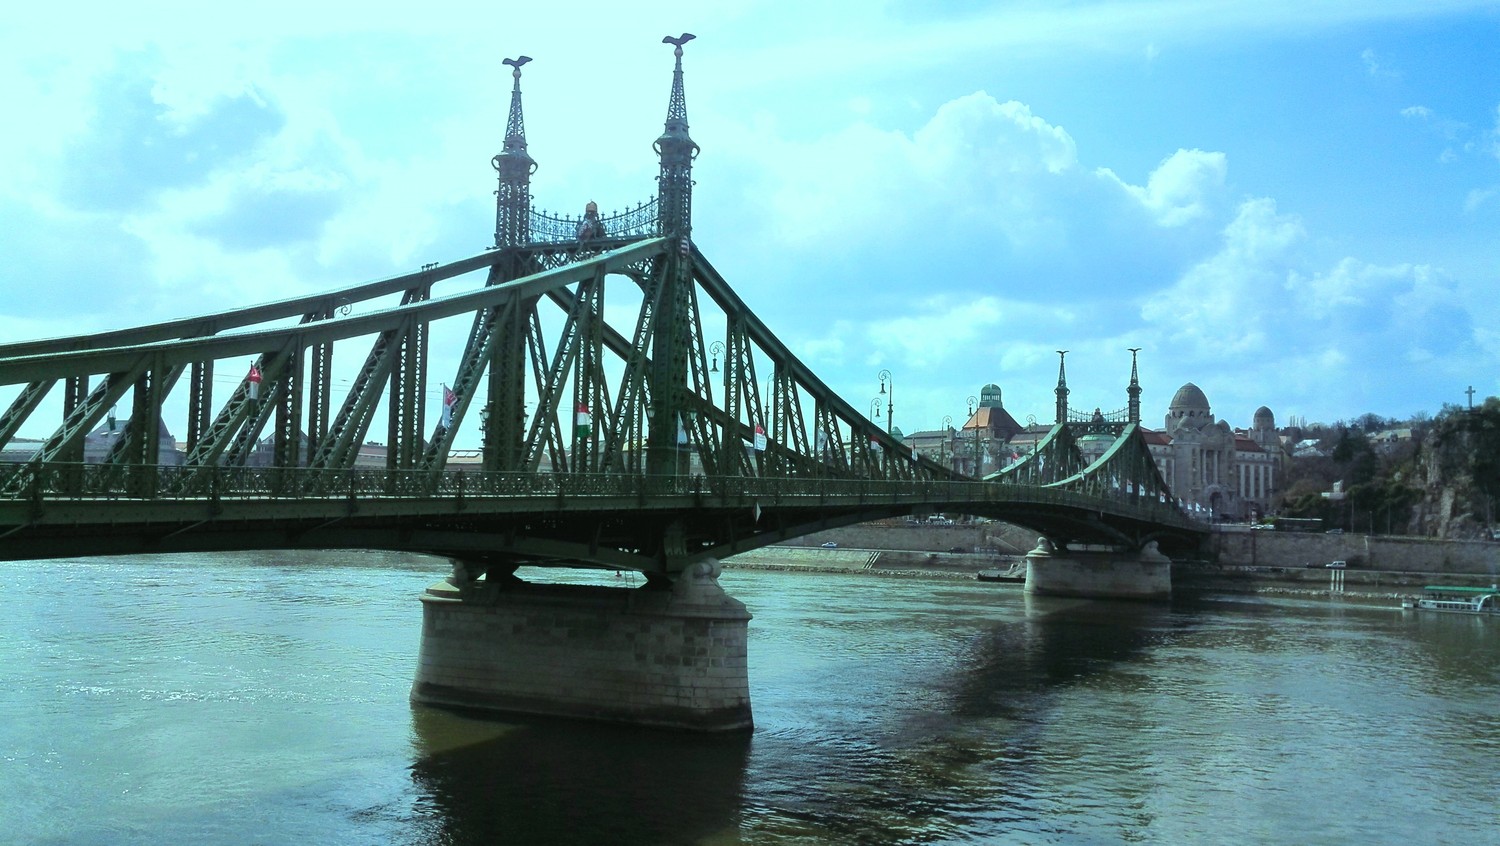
(943,444)
(716,349)
(890,396)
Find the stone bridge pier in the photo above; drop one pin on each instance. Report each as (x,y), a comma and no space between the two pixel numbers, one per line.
(1099,575)
(671,655)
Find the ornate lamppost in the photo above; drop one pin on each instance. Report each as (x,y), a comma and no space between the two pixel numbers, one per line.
(943,444)
(716,349)
(890,396)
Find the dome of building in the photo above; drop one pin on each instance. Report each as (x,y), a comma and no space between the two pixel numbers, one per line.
(1189,397)
(1264,419)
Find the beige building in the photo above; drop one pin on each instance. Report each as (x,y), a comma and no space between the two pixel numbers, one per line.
(1212,468)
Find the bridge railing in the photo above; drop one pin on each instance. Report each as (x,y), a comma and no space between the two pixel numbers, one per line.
(642,221)
(62,481)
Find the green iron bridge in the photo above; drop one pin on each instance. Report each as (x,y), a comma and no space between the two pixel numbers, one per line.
(634,414)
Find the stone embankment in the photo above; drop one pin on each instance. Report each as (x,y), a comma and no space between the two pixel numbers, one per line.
(1241,546)
(1379,568)
(1318,581)
(880,562)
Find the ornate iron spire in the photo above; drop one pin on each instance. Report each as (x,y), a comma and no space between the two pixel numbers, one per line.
(1133,407)
(515,167)
(677,151)
(1062,388)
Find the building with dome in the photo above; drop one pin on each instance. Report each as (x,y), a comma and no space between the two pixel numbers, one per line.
(1228,474)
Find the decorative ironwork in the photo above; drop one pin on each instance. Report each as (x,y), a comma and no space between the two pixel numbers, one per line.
(642,221)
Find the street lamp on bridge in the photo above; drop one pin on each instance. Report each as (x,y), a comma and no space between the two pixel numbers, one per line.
(943,444)
(890,396)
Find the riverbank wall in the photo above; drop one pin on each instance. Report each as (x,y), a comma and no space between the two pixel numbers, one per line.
(1242,547)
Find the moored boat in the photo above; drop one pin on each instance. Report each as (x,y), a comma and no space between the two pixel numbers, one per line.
(1458,600)
(1016,573)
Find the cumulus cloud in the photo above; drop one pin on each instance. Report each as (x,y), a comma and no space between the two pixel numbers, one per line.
(1182,189)
(1212,309)
(134,146)
(986,196)
(1326,333)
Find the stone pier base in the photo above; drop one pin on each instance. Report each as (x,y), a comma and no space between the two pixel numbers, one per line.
(671,658)
(1099,575)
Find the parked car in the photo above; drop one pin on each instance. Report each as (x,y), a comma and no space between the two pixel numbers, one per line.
(830,545)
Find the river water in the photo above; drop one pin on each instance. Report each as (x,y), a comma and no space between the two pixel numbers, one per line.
(239,699)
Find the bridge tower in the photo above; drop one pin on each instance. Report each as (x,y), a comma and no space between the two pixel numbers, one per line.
(1062,388)
(673,340)
(503,431)
(514,167)
(671,654)
(1133,406)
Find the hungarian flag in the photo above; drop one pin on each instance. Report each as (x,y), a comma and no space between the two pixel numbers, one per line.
(760,439)
(254,380)
(450,399)
(585,421)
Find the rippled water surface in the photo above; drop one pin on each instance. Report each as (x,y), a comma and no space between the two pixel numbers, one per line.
(263,699)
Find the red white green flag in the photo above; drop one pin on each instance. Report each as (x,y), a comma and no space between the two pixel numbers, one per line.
(450,399)
(585,421)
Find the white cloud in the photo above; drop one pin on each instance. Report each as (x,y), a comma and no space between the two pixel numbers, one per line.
(1182,188)
(1220,306)
(1373,67)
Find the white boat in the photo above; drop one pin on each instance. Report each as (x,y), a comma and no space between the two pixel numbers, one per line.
(1458,600)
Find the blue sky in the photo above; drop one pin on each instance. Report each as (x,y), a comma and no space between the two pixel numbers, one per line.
(1290,204)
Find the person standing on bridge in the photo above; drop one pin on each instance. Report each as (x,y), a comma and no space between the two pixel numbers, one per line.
(591,226)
